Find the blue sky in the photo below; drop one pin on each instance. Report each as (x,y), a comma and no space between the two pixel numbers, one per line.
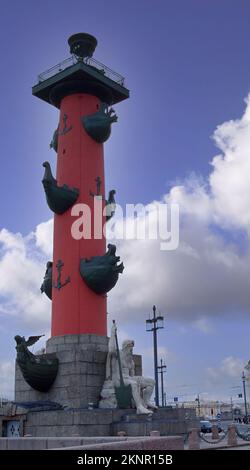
(187,66)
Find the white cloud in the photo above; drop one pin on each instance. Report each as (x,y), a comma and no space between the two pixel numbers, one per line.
(21,274)
(232,366)
(205,275)
(44,237)
(230,178)
(203,325)
(193,198)
(229,368)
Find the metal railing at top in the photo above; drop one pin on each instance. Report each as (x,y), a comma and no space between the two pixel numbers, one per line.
(98,66)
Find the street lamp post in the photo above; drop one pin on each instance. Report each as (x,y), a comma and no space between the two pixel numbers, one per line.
(244,392)
(199,404)
(161,372)
(154,324)
(165,399)
(232,408)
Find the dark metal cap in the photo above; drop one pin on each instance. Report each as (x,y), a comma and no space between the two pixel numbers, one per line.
(82,45)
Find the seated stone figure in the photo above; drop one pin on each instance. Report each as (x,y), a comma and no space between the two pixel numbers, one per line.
(142,387)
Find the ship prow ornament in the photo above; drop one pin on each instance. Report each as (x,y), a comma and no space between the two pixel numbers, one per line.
(46,286)
(54,141)
(101,272)
(59,198)
(110,205)
(98,125)
(39,371)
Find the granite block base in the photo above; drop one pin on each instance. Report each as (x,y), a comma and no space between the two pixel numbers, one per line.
(81,373)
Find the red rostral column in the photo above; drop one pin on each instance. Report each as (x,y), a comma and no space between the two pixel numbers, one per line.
(83,89)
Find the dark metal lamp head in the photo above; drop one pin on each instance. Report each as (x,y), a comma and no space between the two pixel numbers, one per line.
(149,324)
(82,45)
(160,322)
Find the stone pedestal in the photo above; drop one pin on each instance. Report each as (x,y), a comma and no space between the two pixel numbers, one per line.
(167,421)
(215,432)
(99,423)
(194,439)
(81,373)
(232,436)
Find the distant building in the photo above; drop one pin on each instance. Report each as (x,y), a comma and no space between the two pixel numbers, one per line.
(210,409)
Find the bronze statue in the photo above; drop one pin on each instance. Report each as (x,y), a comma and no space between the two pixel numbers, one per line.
(59,198)
(46,286)
(98,125)
(101,272)
(39,371)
